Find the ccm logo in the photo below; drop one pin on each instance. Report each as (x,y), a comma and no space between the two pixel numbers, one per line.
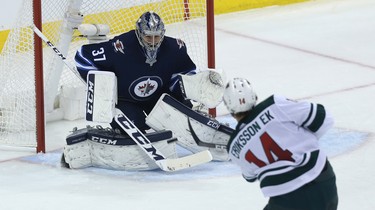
(137,136)
(103,140)
(90,97)
(213,124)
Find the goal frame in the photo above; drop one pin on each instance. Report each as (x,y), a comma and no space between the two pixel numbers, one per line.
(39,81)
(38,50)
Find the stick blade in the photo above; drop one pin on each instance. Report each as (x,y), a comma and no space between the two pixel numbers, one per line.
(189,161)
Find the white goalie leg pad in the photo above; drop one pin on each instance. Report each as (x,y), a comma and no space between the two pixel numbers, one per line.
(128,157)
(206,87)
(100,151)
(101,96)
(187,130)
(78,155)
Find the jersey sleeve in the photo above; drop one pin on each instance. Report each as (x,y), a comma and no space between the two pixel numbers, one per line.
(92,57)
(311,116)
(185,66)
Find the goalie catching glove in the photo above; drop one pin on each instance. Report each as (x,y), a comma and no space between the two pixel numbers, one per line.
(206,87)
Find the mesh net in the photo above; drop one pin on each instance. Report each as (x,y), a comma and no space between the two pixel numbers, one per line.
(183,19)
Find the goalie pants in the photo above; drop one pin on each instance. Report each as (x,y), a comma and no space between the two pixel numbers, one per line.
(319,194)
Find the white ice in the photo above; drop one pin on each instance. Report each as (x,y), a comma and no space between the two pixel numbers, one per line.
(322,51)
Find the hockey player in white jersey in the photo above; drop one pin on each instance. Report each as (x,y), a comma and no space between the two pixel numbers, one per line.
(276,142)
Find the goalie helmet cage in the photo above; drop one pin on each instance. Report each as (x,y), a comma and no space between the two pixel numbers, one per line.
(33,76)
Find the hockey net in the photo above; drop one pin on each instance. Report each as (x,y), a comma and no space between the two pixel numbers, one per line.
(185,19)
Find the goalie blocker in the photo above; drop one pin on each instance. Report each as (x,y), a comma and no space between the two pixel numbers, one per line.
(101,96)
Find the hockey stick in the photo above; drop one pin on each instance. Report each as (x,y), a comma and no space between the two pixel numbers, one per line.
(166,164)
(57,51)
(123,121)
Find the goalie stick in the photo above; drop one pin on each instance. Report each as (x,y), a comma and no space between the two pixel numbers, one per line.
(166,164)
(57,51)
(138,137)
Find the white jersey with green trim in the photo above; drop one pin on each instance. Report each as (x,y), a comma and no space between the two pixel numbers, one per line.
(277,143)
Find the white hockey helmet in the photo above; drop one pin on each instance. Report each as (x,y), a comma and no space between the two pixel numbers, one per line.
(239,96)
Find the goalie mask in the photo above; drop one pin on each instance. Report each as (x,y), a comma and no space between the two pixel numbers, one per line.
(150,33)
(239,96)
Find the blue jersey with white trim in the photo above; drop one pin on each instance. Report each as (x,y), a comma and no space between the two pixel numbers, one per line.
(138,82)
(277,143)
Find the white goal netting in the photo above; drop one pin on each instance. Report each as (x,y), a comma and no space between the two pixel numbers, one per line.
(185,19)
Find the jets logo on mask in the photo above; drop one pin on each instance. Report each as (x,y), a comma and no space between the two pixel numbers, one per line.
(119,47)
(144,87)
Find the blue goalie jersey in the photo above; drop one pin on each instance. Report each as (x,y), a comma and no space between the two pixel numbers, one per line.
(139,83)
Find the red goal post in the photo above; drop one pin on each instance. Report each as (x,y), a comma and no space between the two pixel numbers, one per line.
(36,87)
